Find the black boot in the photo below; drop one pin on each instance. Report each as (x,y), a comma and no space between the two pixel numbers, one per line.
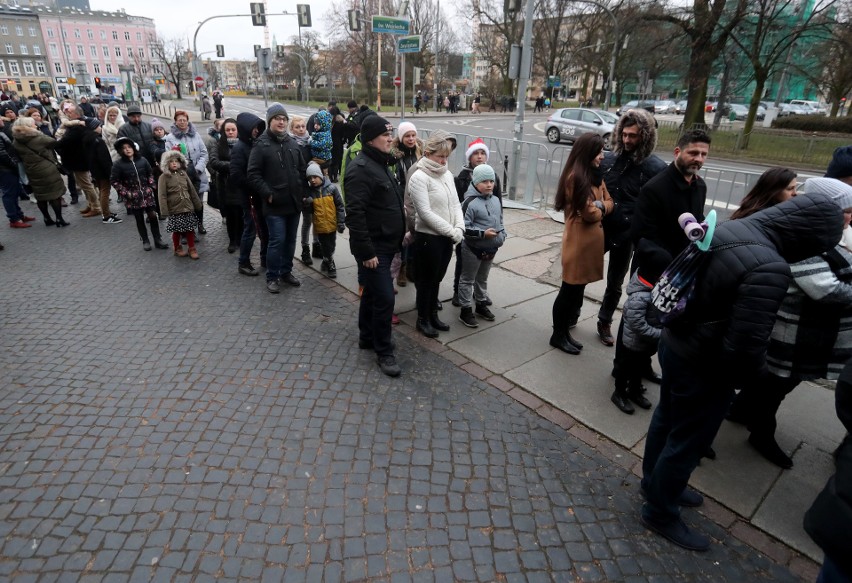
(316,251)
(766,446)
(200,215)
(576,343)
(146,244)
(155,230)
(558,340)
(619,398)
(332,269)
(425,327)
(306,255)
(634,393)
(437,324)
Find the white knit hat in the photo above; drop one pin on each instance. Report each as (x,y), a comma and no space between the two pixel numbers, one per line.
(475,145)
(838,191)
(404,128)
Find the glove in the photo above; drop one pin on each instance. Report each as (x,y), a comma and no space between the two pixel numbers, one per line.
(341,227)
(308,203)
(408,239)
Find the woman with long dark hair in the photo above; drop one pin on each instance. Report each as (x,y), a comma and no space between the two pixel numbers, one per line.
(582,196)
(230,199)
(774,186)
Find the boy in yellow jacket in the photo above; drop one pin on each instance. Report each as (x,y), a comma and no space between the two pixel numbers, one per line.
(328,216)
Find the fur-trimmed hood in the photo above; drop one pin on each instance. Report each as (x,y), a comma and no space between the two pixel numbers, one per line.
(647,134)
(170,155)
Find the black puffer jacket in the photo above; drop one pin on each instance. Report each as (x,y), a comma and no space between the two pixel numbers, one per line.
(97,154)
(70,146)
(238,164)
(374,207)
(276,171)
(625,178)
(727,324)
(142,134)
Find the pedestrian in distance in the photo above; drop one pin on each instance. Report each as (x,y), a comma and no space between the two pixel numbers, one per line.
(439,225)
(37,153)
(641,328)
(484,234)
(206,107)
(583,197)
(720,342)
(218,104)
(376,220)
(133,180)
(338,138)
(179,202)
(326,209)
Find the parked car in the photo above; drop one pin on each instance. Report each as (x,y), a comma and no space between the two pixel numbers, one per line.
(665,106)
(572,122)
(786,109)
(680,108)
(105,98)
(648,106)
(811,107)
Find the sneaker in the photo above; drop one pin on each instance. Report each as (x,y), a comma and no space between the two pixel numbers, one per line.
(389,366)
(482,310)
(111,220)
(605,333)
(273,287)
(248,269)
(394,320)
(679,534)
(290,279)
(19,225)
(306,255)
(331,269)
(468,319)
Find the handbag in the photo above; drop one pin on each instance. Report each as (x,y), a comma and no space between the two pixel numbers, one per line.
(59,166)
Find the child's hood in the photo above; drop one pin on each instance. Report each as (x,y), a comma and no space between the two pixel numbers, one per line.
(323,118)
(119,145)
(170,155)
(472,192)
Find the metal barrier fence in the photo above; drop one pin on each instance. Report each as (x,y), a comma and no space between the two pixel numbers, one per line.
(541,167)
(159,108)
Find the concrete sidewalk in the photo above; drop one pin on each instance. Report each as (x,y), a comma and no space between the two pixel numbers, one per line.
(514,350)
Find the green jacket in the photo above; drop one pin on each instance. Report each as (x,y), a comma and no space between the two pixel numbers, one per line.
(348,155)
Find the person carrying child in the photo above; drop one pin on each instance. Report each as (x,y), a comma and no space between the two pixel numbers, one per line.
(133,180)
(178,202)
(642,328)
(483,236)
(321,140)
(326,207)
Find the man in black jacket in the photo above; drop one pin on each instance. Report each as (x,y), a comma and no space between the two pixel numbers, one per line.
(375,216)
(140,132)
(720,342)
(626,169)
(75,158)
(249,128)
(276,172)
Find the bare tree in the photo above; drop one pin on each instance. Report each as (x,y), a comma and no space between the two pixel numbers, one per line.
(768,33)
(174,56)
(834,77)
(498,32)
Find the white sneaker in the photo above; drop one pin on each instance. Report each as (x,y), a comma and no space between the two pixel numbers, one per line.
(111,220)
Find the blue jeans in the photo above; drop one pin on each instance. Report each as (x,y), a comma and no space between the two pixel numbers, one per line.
(10,185)
(692,406)
(376,309)
(282,244)
(250,231)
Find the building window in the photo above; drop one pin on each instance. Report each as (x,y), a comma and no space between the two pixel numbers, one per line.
(103,35)
(80,51)
(109,68)
(4,29)
(139,37)
(126,35)
(54,50)
(32,86)
(90,34)
(49,33)
(106,50)
(67,50)
(14,69)
(40,68)
(57,66)
(93,50)
(77,33)
(130,52)
(117,51)
(144,69)
(2,67)
(25,50)
(97,67)
(28,68)
(141,52)
(36,49)
(64,33)
(19,30)
(9,50)
(33,31)
(115,35)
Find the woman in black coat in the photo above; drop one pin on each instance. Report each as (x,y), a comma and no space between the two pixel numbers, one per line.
(338,138)
(230,199)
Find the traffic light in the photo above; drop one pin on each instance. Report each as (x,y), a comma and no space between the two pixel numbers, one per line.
(258,16)
(355,20)
(280,51)
(98,82)
(220,50)
(304,11)
(256,49)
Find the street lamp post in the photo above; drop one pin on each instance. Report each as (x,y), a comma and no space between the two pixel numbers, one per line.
(611,79)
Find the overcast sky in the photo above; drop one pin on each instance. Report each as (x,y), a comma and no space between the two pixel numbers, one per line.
(179,19)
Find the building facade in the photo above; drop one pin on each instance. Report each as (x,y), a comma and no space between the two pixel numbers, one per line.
(23,66)
(87,48)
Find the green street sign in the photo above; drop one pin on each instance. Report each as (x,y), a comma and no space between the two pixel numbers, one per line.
(383,73)
(391,25)
(409,44)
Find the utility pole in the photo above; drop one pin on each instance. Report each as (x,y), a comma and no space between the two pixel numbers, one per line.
(437,31)
(523,78)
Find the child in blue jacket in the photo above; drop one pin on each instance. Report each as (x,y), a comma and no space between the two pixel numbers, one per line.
(321,140)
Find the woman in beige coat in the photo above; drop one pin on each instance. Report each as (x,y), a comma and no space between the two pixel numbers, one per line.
(582,195)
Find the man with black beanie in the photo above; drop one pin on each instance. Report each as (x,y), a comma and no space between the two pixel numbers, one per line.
(376,219)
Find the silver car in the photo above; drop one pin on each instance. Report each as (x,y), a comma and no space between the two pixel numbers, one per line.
(572,122)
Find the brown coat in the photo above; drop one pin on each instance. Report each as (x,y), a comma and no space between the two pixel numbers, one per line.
(583,239)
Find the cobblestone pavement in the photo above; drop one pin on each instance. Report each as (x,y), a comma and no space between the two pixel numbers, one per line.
(169,420)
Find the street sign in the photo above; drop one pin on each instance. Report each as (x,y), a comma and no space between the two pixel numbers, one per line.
(397,81)
(220,50)
(383,73)
(409,44)
(199,82)
(391,25)
(554,81)
(417,71)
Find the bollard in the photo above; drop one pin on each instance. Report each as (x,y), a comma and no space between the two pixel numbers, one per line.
(505,174)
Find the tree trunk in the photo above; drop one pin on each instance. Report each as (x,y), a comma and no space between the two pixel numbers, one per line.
(759,85)
(700,65)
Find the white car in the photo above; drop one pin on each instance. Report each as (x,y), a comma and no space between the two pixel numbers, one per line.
(665,106)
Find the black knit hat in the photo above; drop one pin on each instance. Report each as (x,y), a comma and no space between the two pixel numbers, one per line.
(652,260)
(841,163)
(373,127)
(93,123)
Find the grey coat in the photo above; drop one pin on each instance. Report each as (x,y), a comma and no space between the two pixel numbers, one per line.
(642,327)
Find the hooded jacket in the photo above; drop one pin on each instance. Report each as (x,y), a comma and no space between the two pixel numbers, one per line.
(327,207)
(237,177)
(642,327)
(482,212)
(321,139)
(195,149)
(276,171)
(70,145)
(133,178)
(175,190)
(36,151)
(726,327)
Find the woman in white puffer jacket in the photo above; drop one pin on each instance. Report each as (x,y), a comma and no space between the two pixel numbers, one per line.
(438,226)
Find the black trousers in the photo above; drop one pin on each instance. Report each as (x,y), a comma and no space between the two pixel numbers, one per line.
(432,255)
(566,307)
(619,262)
(376,307)
(233,214)
(759,404)
(328,242)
